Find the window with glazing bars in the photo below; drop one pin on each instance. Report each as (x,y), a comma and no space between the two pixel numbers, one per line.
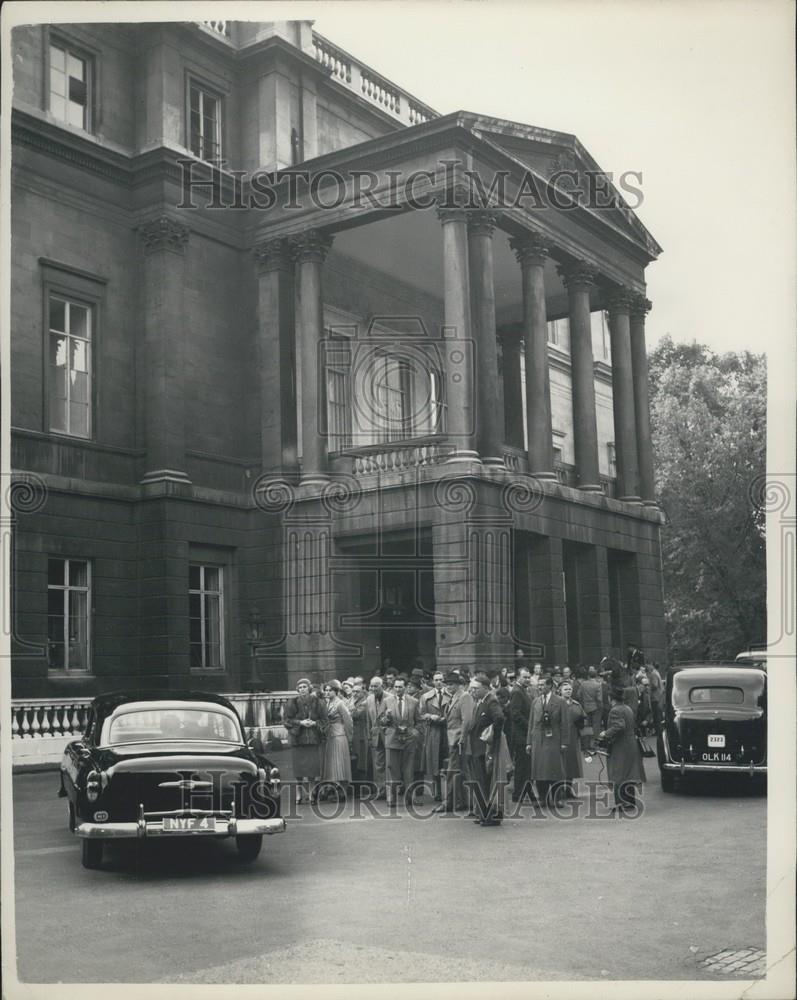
(68,615)
(206,616)
(205,124)
(70,86)
(69,375)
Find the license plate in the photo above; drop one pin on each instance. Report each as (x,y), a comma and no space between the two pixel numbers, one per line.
(189,824)
(716,741)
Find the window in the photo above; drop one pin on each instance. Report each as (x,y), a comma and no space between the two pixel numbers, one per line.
(338,363)
(392,394)
(70,86)
(611,456)
(559,333)
(68,610)
(601,340)
(204,124)
(436,403)
(716,696)
(69,377)
(206,616)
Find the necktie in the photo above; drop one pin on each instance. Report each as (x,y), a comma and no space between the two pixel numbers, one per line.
(439,700)
(401,709)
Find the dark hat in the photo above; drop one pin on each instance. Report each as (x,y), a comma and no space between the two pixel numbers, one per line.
(618,693)
(452,677)
(417,672)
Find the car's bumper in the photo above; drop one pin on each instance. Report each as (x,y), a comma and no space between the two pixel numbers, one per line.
(751,769)
(154,828)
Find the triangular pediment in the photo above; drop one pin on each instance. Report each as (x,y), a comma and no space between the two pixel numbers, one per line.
(560,158)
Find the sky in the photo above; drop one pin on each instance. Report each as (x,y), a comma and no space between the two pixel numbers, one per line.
(695,95)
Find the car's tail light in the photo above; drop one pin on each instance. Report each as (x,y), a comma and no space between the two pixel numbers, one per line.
(93,786)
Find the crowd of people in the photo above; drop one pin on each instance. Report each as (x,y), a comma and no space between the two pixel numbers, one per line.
(460,737)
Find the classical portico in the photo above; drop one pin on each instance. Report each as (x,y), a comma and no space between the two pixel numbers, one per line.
(463,444)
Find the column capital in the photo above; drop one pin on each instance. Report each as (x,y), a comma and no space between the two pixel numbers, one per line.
(640,306)
(578,275)
(163,233)
(619,299)
(530,248)
(273,255)
(310,246)
(447,214)
(481,222)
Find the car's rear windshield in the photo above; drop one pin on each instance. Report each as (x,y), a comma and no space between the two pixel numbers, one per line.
(716,695)
(172,724)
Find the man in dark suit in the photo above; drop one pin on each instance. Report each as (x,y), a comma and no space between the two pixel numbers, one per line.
(458,711)
(375,708)
(487,712)
(519,710)
(402,738)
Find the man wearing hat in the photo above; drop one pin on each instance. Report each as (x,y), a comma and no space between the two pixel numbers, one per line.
(488,717)
(458,712)
(519,711)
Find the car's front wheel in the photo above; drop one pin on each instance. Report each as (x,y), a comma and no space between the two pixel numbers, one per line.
(249,846)
(91,852)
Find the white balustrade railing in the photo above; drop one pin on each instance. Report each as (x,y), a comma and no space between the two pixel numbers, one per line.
(358,77)
(220,27)
(46,718)
(332,58)
(400,458)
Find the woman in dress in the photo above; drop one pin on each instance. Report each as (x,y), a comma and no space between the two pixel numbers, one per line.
(625,767)
(336,756)
(576,716)
(305,719)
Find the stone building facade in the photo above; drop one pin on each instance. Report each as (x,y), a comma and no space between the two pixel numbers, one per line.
(307,377)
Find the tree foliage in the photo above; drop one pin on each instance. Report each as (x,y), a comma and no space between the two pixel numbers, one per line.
(708,415)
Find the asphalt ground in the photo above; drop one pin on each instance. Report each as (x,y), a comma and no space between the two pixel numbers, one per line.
(367,899)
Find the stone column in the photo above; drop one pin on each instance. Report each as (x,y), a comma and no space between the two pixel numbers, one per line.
(490,431)
(625,432)
(639,367)
(512,389)
(161,366)
(276,356)
(531,253)
(457,340)
(578,279)
(310,249)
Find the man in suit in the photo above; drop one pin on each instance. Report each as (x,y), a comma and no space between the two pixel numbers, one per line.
(402,738)
(432,706)
(547,740)
(375,708)
(458,711)
(519,711)
(487,712)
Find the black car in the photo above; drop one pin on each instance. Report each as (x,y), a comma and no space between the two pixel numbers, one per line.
(715,721)
(167,764)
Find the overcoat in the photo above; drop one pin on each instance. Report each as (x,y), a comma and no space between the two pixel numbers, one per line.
(625,760)
(574,767)
(519,711)
(434,739)
(359,741)
(547,757)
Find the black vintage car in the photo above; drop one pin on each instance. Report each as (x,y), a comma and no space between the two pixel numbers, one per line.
(167,764)
(715,721)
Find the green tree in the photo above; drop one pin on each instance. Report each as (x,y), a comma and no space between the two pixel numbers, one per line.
(708,415)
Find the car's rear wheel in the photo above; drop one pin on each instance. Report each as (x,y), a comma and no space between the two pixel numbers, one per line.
(667,781)
(249,846)
(91,852)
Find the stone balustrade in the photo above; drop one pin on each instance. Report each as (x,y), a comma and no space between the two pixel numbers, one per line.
(515,459)
(42,727)
(398,457)
(375,89)
(220,27)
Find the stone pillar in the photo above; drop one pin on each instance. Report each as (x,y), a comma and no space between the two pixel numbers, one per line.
(457,340)
(512,390)
(162,360)
(578,279)
(546,579)
(531,253)
(595,629)
(311,248)
(625,432)
(490,431)
(276,356)
(639,367)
